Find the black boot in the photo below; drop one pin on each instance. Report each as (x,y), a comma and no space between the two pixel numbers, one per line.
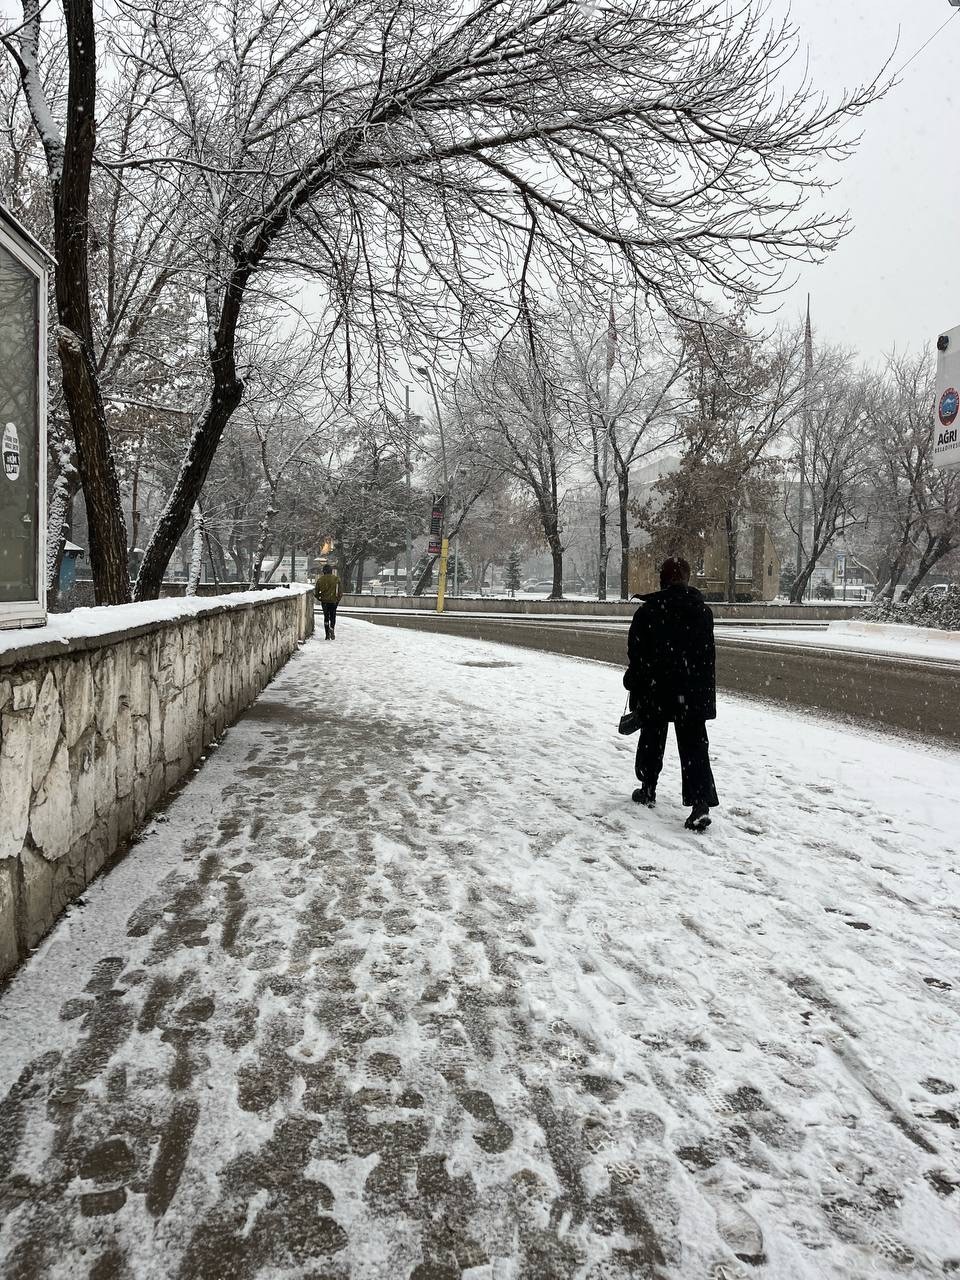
(647,796)
(699,818)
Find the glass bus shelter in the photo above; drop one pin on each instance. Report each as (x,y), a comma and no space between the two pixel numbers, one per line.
(23,425)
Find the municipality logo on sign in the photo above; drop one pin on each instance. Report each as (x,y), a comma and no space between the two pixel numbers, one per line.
(947,411)
(949,407)
(11,452)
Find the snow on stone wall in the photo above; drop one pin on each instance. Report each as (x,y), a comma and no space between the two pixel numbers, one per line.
(96,726)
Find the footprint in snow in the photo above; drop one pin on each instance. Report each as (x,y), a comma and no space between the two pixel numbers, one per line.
(933,1084)
(740,1231)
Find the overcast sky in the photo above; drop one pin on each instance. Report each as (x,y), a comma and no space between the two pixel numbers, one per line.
(895,280)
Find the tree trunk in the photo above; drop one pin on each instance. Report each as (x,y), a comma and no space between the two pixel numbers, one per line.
(278,560)
(933,553)
(425,577)
(261,548)
(236,555)
(135,498)
(360,563)
(730,533)
(219,559)
(897,570)
(623,497)
(196,554)
(225,396)
(81,387)
(58,521)
(556,553)
(801,582)
(215,568)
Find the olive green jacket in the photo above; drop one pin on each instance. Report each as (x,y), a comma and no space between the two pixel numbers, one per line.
(328,589)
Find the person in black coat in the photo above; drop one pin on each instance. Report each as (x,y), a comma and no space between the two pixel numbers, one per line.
(671,676)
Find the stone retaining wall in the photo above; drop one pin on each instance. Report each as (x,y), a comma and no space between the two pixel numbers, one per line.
(96,729)
(608,608)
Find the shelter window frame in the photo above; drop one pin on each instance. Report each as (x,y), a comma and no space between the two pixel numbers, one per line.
(31,611)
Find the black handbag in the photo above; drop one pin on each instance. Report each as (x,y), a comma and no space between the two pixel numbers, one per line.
(630,720)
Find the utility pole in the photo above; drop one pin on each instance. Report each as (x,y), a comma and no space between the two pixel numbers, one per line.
(804,429)
(604,552)
(408,588)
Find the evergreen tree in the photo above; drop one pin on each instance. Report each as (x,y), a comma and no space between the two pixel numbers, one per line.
(512,575)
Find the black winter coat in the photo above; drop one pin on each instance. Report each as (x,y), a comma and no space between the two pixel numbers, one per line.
(671,657)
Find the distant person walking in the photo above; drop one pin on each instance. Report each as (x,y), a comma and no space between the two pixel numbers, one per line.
(671,675)
(329,593)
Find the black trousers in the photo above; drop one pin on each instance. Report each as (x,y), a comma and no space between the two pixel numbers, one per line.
(329,618)
(694,748)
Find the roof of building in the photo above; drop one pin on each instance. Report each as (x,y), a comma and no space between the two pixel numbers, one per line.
(19,232)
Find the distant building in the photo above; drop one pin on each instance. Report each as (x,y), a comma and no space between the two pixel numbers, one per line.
(758,567)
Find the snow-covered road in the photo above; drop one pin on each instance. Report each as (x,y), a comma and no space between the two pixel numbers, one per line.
(403,985)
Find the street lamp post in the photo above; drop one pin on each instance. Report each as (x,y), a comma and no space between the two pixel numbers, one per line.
(406,472)
(444,543)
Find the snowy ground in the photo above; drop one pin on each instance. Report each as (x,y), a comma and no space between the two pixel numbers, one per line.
(880,638)
(403,985)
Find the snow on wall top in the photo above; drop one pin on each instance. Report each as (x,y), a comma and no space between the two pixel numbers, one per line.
(87,628)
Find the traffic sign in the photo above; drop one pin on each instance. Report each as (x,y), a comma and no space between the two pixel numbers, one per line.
(436,525)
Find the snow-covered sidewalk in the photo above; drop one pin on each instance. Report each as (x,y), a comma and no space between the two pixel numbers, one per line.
(403,985)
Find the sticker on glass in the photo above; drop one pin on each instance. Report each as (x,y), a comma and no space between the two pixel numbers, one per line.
(11,452)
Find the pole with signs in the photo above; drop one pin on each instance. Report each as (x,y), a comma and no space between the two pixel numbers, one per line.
(446,483)
(438,546)
(946,408)
(442,584)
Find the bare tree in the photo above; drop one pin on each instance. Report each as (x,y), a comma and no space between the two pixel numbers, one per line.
(837,457)
(142,300)
(522,429)
(497,526)
(625,384)
(900,411)
(292,419)
(399,155)
(69,155)
(938,523)
(742,391)
(910,520)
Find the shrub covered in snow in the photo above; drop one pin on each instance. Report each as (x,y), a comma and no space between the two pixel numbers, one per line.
(929,609)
